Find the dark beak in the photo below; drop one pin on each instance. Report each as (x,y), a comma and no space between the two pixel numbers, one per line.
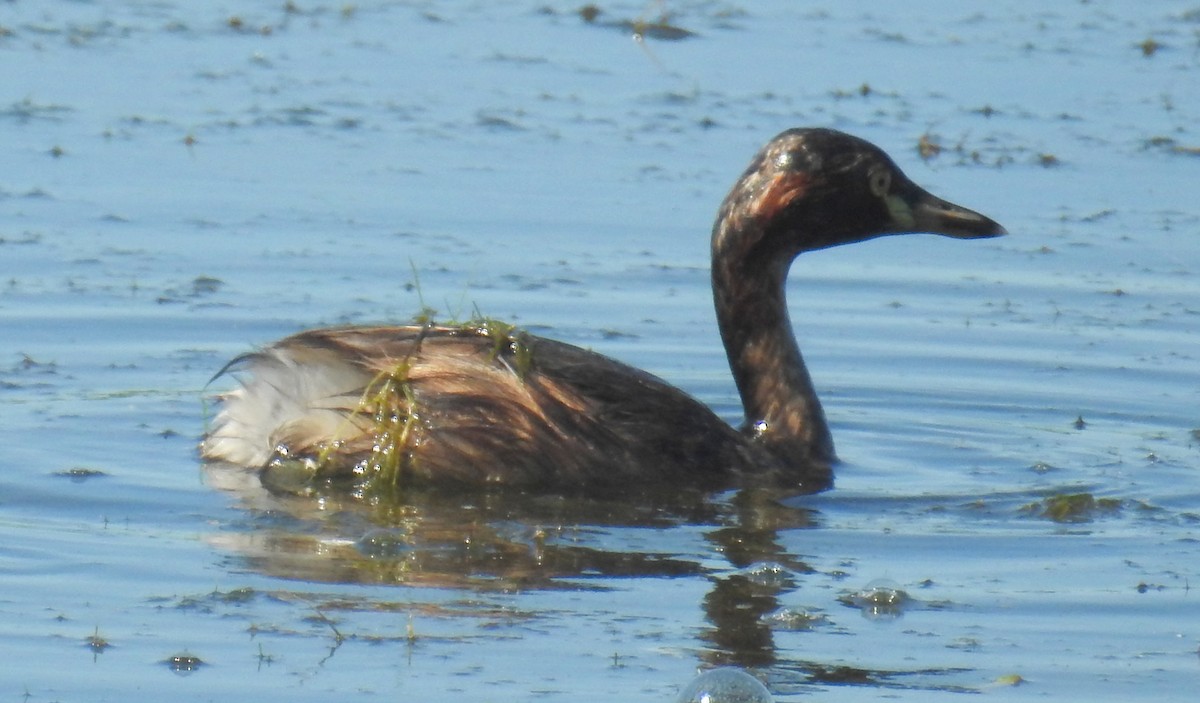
(936,216)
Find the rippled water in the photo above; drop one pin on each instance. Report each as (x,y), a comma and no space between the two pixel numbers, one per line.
(1017,511)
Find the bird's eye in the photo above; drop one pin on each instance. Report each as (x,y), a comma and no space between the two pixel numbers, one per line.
(880,180)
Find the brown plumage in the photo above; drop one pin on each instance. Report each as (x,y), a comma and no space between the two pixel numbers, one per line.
(484,404)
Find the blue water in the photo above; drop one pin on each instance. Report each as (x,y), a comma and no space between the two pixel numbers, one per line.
(182,183)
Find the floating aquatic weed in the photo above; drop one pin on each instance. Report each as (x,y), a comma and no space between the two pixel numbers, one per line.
(392,405)
(395,415)
(1073,507)
(881,599)
(725,685)
(389,412)
(506,339)
(387,423)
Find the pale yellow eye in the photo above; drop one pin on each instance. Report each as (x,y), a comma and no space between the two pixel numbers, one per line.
(880,181)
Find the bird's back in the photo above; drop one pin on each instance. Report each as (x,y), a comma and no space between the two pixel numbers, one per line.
(470,405)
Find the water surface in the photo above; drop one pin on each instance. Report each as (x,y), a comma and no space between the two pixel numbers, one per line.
(183,183)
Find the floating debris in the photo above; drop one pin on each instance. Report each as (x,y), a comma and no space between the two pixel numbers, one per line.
(203,285)
(661,28)
(184,663)
(931,146)
(1048,160)
(928,147)
(1171,146)
(795,675)
(25,111)
(205,603)
(97,643)
(80,474)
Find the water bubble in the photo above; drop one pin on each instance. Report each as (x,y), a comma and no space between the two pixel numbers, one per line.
(384,543)
(794,619)
(771,574)
(881,599)
(725,685)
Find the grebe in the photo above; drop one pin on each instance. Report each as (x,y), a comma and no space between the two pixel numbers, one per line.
(485,404)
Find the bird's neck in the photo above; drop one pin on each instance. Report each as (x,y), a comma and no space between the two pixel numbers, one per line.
(781,405)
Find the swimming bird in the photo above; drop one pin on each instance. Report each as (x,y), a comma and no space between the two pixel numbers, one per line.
(485,404)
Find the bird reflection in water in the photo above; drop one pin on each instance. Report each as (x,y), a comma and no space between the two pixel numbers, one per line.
(514,542)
